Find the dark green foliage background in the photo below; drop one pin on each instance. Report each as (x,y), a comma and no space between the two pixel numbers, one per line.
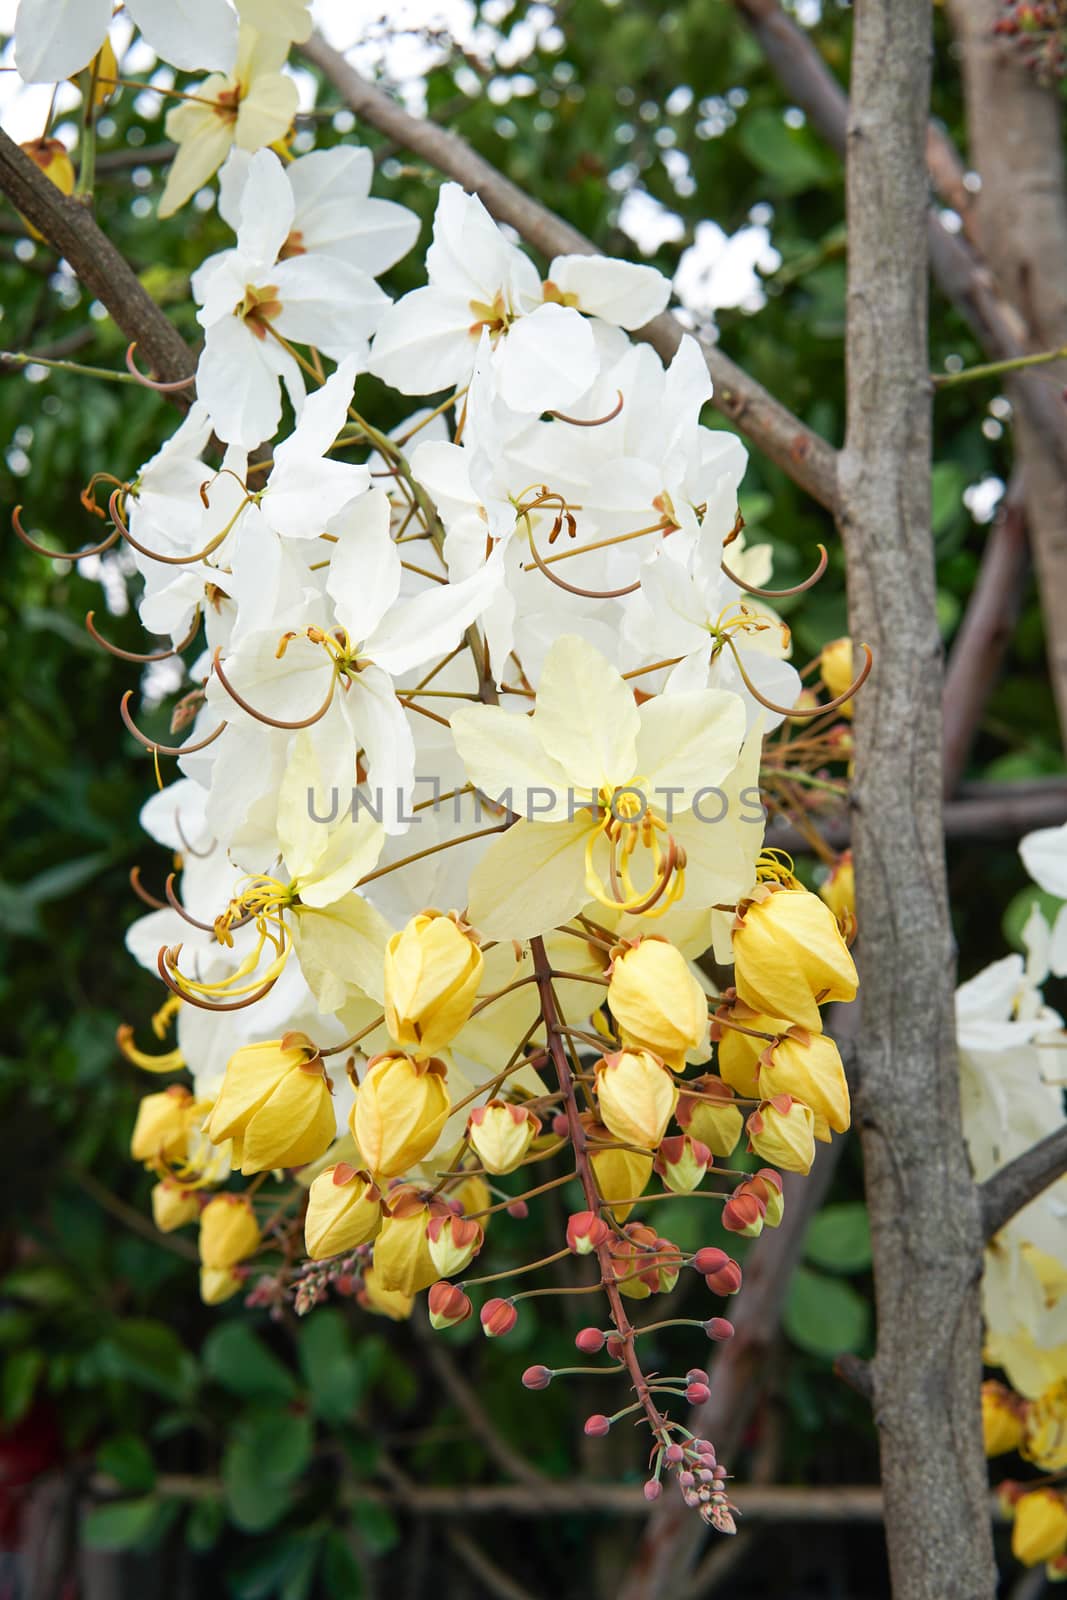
(106,1350)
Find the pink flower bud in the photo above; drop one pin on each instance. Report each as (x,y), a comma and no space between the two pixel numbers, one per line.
(597,1425)
(615,1347)
(585,1231)
(726,1281)
(561,1125)
(536,1378)
(696,1375)
(653,1489)
(590,1341)
(498,1317)
(673,1455)
(705,1447)
(697,1393)
(519,1210)
(719,1328)
(447,1305)
(686,1479)
(710,1259)
(743,1213)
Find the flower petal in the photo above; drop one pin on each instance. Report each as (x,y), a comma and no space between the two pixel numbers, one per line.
(530,879)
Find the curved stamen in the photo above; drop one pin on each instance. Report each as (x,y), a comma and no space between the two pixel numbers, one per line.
(261,716)
(187,916)
(781,594)
(154,744)
(594,422)
(154,383)
(201,855)
(204,1005)
(572,588)
(132,655)
(793,712)
(60,555)
(154,555)
(142,893)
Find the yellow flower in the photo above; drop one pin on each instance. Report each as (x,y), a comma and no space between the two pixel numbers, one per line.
(657,1002)
(783,1131)
(402,1257)
(344,1210)
(839,890)
(501,1135)
(738,1053)
(453,1243)
(619,1174)
(808,1067)
(835,669)
(432,972)
(391,1303)
(1044,1439)
(636,1095)
(50,155)
(276,1104)
(706,1111)
(401,1107)
(173,1206)
(1002,1422)
(1040,1530)
(228,1231)
(218,1284)
(164,1121)
(789,956)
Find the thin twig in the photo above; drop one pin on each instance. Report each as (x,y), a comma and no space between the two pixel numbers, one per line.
(1006,1193)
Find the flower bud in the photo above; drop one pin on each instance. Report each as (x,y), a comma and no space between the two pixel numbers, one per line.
(498,1317)
(738,1053)
(726,1281)
(697,1393)
(453,1243)
(447,1305)
(636,1095)
(838,890)
(501,1135)
(1040,1530)
(808,1067)
(537,1378)
(644,1264)
(276,1104)
(432,971)
(789,956)
(619,1174)
(682,1163)
(835,669)
(652,1490)
(392,1303)
(719,1328)
(710,1115)
(656,1001)
(709,1258)
(218,1284)
(590,1341)
(1044,1439)
(766,1185)
(344,1211)
(228,1231)
(783,1131)
(402,1256)
(50,157)
(597,1426)
(173,1206)
(161,1131)
(401,1107)
(585,1231)
(518,1210)
(743,1213)
(674,1455)
(1002,1421)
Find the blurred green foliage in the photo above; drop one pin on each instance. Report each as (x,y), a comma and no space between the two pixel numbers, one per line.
(230,1443)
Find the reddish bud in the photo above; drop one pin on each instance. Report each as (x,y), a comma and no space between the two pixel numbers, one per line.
(498,1317)
(653,1489)
(697,1393)
(519,1210)
(536,1378)
(561,1125)
(710,1259)
(585,1232)
(696,1375)
(615,1347)
(590,1341)
(719,1328)
(673,1455)
(447,1305)
(727,1281)
(743,1213)
(597,1425)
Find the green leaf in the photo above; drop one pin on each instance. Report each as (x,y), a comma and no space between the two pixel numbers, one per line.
(948,479)
(341,1573)
(41,1284)
(376,1526)
(127,1459)
(124,1523)
(825,1316)
(267,1451)
(792,157)
(206,1521)
(331,1368)
(149,1354)
(1019,908)
(282,1566)
(839,1238)
(235,1357)
(22,1369)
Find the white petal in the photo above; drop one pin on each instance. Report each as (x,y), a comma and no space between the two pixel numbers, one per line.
(545,360)
(341,951)
(424,343)
(621,292)
(1044,855)
(469,255)
(586,717)
(380,726)
(689,741)
(432,623)
(530,879)
(334,307)
(505,760)
(1057,950)
(204,141)
(56,38)
(338,220)
(190,34)
(266,209)
(365,568)
(236,383)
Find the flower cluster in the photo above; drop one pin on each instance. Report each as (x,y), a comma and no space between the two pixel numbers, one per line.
(1038,30)
(1011,1080)
(470,737)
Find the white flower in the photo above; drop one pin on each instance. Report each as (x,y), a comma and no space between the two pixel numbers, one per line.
(1044,855)
(305,489)
(54,39)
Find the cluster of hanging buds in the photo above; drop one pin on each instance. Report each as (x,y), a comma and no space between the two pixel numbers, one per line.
(1038,31)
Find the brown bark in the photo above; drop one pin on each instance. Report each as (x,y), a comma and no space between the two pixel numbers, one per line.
(1021,213)
(923,1204)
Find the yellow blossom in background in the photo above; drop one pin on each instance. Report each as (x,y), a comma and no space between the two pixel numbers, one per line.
(1002,1419)
(229,1231)
(789,956)
(344,1210)
(402,1259)
(1040,1528)
(164,1122)
(432,972)
(391,1303)
(173,1206)
(838,891)
(808,1067)
(636,1095)
(620,1174)
(738,1052)
(835,669)
(501,1135)
(783,1131)
(218,1284)
(276,1104)
(706,1110)
(401,1107)
(656,1001)
(1044,1432)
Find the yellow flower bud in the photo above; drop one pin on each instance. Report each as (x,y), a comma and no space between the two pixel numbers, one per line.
(276,1104)
(656,1002)
(835,669)
(228,1231)
(808,1067)
(50,155)
(783,1131)
(107,72)
(619,1174)
(839,890)
(500,1135)
(391,1303)
(218,1284)
(1044,1440)
(738,1053)
(402,1257)
(707,1113)
(789,956)
(473,1195)
(453,1243)
(161,1132)
(173,1206)
(344,1210)
(401,1107)
(1002,1420)
(636,1095)
(1040,1531)
(432,972)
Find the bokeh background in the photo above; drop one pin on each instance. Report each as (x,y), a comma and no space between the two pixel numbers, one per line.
(149,1446)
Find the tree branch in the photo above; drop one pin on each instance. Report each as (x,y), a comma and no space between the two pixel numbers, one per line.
(69,227)
(507,1459)
(1006,1193)
(800,452)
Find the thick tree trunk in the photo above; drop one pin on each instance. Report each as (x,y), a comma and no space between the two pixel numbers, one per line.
(923,1205)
